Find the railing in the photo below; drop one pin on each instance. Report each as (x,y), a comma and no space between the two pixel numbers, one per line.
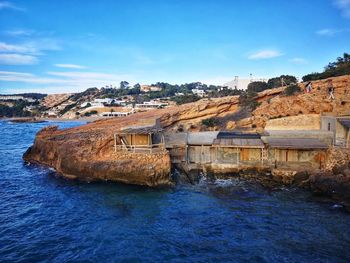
(153,148)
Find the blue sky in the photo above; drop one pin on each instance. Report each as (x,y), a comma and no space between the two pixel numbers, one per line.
(68,46)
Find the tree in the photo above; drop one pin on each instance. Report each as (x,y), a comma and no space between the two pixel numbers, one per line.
(337,68)
(124,84)
(137,86)
(291,89)
(277,81)
(257,86)
(248,99)
(185,99)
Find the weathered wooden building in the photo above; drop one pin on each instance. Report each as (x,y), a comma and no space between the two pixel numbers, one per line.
(139,139)
(239,149)
(343,132)
(296,152)
(235,149)
(176,144)
(200,148)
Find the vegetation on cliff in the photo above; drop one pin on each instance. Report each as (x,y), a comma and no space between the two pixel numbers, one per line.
(17,110)
(337,68)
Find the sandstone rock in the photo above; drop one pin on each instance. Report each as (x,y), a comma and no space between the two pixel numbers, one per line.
(230,125)
(87,153)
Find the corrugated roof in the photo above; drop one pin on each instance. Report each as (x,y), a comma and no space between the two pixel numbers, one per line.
(237,135)
(175,139)
(345,122)
(201,138)
(142,130)
(296,143)
(241,143)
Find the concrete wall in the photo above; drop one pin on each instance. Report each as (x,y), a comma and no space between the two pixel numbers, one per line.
(300,122)
(324,136)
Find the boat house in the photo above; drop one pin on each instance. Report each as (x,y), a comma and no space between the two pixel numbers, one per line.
(239,149)
(296,152)
(343,132)
(140,139)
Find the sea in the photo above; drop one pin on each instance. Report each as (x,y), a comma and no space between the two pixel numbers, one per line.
(46,218)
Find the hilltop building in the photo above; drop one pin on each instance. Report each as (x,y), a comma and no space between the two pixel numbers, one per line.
(199,92)
(242,83)
(148,88)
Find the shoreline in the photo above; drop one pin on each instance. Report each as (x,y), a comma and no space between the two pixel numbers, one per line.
(35,119)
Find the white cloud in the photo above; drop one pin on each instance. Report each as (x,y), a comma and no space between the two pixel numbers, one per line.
(265,54)
(76,81)
(17,59)
(4,47)
(19,32)
(26,53)
(328,32)
(301,61)
(73,66)
(344,6)
(9,5)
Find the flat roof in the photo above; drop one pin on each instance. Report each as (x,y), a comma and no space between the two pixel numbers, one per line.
(296,143)
(345,122)
(141,130)
(175,139)
(239,142)
(237,135)
(201,138)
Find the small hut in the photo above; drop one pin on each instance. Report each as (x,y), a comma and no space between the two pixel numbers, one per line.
(140,139)
(176,144)
(200,148)
(296,152)
(343,131)
(239,149)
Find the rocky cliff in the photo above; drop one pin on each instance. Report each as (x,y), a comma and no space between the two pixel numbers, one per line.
(334,180)
(87,153)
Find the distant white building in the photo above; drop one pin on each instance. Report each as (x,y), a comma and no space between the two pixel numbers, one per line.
(106,101)
(242,83)
(199,92)
(116,114)
(151,105)
(12,97)
(97,103)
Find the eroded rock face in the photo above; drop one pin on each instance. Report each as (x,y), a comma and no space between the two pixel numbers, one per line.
(87,153)
(315,102)
(334,180)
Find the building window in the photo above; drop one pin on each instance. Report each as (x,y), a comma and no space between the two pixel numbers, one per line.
(329,126)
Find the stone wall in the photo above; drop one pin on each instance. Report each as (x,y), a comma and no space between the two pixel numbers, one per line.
(299,122)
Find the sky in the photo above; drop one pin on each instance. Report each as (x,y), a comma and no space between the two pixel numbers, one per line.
(69,46)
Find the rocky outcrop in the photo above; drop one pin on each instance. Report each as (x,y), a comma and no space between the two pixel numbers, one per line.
(86,153)
(273,104)
(315,102)
(334,180)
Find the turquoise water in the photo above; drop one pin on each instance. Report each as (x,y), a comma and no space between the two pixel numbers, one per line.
(44,218)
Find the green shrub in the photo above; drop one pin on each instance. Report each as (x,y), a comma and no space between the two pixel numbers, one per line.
(291,89)
(89,113)
(338,68)
(247,99)
(211,122)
